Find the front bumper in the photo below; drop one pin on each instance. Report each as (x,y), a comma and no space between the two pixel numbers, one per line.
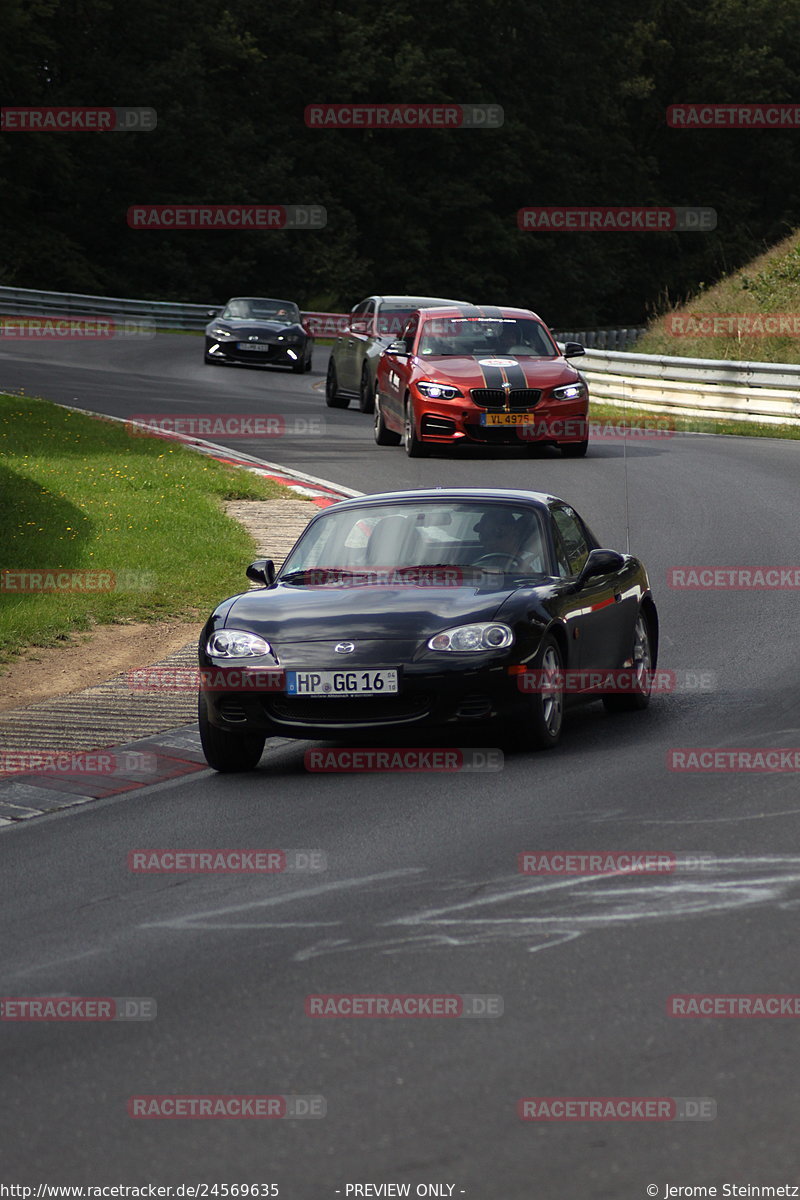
(430,695)
(270,354)
(448,422)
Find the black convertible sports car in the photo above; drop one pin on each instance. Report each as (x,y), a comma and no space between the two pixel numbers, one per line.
(251,329)
(441,608)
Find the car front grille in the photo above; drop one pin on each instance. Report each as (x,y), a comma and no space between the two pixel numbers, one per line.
(496,397)
(308,710)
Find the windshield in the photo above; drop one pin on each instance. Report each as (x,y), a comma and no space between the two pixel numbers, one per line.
(450,337)
(476,534)
(392,318)
(283,311)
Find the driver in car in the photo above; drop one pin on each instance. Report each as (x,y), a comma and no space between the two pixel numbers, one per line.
(509,542)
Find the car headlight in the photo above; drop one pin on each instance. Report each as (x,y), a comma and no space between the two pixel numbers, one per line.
(438,391)
(570,391)
(236,643)
(490,635)
(222,333)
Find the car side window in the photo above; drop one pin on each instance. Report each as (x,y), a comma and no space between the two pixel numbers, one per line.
(410,332)
(572,549)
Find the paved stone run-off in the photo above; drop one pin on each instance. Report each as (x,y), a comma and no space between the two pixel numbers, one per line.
(117,713)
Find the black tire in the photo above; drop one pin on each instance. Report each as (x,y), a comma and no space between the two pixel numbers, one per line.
(309,361)
(539,728)
(228,752)
(415,447)
(332,397)
(366,392)
(642,656)
(299,367)
(574,449)
(384,436)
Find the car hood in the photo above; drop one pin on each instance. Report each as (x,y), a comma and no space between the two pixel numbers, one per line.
(292,613)
(467,372)
(250,326)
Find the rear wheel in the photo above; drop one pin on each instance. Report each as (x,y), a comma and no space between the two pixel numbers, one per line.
(384,436)
(415,447)
(574,449)
(228,752)
(332,397)
(366,394)
(642,671)
(539,728)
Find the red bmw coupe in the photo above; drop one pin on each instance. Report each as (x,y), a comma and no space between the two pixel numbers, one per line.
(485,375)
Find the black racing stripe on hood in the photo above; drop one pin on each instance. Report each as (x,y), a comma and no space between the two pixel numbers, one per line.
(516,376)
(492,376)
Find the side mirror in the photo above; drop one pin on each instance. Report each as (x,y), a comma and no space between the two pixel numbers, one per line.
(261,571)
(599,562)
(213,312)
(573,350)
(398,347)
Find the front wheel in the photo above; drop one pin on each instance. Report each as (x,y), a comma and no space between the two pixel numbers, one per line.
(539,728)
(415,447)
(299,367)
(642,671)
(383,435)
(228,752)
(332,397)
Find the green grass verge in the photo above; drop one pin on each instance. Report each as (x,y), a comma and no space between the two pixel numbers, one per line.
(770,284)
(631,415)
(82,494)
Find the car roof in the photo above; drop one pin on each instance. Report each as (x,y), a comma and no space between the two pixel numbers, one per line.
(269,300)
(416,301)
(482,311)
(510,495)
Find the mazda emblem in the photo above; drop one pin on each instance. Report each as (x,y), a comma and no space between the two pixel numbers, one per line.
(344,647)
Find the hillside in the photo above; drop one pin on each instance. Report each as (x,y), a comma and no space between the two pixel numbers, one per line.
(752,314)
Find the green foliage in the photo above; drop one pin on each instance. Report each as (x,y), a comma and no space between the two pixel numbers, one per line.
(584,88)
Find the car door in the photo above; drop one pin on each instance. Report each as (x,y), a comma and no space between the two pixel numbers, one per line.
(398,369)
(599,618)
(344,351)
(360,328)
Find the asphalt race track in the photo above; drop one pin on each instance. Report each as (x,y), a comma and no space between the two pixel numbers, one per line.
(422,893)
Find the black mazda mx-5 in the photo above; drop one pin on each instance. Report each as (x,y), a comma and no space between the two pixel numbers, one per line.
(253,329)
(443,608)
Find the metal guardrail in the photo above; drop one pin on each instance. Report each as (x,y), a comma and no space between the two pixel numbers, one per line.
(769,392)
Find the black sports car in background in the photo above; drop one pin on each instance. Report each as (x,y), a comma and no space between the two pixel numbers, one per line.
(252,329)
(443,608)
